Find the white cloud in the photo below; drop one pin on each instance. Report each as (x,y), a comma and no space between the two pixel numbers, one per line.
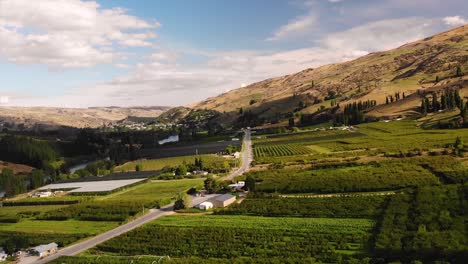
(381,35)
(295,26)
(68,33)
(164,79)
(455,21)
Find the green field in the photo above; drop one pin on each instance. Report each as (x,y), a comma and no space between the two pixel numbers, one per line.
(244,236)
(318,225)
(392,136)
(351,177)
(341,207)
(154,190)
(280,150)
(69,226)
(157,164)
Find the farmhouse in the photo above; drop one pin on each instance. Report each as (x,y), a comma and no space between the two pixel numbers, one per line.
(205,206)
(223,200)
(44,250)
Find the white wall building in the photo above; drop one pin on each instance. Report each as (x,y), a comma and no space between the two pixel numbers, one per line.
(44,250)
(205,206)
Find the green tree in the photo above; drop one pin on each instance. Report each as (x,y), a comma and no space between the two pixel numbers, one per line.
(139,167)
(291,122)
(459,72)
(184,201)
(423,107)
(211,185)
(37,179)
(181,170)
(250,183)
(435,103)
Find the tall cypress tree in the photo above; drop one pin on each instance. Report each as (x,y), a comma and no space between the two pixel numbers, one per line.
(435,103)
(423,107)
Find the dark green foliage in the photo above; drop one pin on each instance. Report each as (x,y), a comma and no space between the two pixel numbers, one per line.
(291,121)
(459,72)
(40,202)
(331,95)
(211,185)
(11,184)
(450,99)
(428,224)
(103,211)
(343,207)
(353,114)
(24,150)
(368,177)
(183,202)
(9,219)
(181,170)
(34,239)
(226,242)
(37,179)
(250,183)
(231,149)
(187,260)
(138,167)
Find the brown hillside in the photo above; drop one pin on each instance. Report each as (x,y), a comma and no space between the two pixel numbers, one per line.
(74,117)
(409,68)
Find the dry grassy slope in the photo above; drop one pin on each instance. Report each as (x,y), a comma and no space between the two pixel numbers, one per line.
(405,69)
(74,117)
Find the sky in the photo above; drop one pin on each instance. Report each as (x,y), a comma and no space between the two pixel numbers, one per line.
(77,53)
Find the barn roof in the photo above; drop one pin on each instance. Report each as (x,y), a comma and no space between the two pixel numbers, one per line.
(224,197)
(43,248)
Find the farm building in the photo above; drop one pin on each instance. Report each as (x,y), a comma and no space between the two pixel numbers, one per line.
(43,194)
(200,172)
(44,250)
(205,206)
(223,200)
(238,185)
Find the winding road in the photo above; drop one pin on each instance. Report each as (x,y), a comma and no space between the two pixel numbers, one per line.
(154,214)
(246,156)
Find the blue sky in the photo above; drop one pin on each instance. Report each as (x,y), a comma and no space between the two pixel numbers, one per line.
(76,53)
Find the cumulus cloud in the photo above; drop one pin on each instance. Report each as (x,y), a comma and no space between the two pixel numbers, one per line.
(68,33)
(455,21)
(381,35)
(163,80)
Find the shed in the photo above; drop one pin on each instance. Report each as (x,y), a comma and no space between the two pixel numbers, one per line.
(223,200)
(205,206)
(44,250)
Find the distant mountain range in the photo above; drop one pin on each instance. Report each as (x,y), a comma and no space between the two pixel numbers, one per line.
(74,117)
(426,65)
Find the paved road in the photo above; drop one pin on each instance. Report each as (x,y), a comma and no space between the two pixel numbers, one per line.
(246,157)
(87,244)
(152,215)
